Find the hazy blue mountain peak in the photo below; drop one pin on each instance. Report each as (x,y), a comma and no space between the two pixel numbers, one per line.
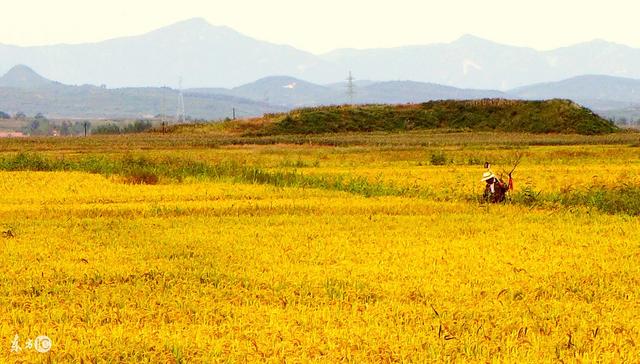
(21,76)
(472,40)
(195,27)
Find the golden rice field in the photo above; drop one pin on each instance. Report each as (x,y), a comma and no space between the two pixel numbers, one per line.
(201,269)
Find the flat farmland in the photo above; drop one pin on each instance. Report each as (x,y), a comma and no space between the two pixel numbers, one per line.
(360,248)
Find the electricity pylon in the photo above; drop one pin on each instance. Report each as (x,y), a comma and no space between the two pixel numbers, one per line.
(350,88)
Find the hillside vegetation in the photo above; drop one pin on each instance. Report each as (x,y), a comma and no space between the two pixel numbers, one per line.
(552,116)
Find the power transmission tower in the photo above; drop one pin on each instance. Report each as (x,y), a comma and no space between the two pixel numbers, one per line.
(180,115)
(350,88)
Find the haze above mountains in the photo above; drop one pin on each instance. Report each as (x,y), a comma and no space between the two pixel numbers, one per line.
(597,74)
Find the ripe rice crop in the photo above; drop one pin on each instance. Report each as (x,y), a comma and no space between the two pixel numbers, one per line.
(257,253)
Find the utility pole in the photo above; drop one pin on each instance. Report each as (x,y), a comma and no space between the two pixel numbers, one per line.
(350,88)
(162,109)
(180,115)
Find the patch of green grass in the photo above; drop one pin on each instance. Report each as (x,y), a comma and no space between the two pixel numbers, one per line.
(438,158)
(139,170)
(619,200)
(622,199)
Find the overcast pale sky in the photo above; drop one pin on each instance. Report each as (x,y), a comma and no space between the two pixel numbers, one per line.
(323,25)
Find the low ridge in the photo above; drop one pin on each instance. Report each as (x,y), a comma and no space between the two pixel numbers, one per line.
(552,116)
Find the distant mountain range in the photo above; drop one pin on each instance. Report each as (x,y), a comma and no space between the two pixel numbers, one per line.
(289,92)
(472,62)
(610,97)
(23,90)
(204,55)
(194,50)
(614,98)
(598,92)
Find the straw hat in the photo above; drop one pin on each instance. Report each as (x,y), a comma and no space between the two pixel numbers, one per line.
(487,175)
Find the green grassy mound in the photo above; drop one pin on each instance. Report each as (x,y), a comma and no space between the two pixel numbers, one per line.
(552,116)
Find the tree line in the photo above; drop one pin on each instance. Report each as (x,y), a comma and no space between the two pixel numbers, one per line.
(41,125)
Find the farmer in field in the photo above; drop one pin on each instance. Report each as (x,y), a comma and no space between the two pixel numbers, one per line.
(496,189)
